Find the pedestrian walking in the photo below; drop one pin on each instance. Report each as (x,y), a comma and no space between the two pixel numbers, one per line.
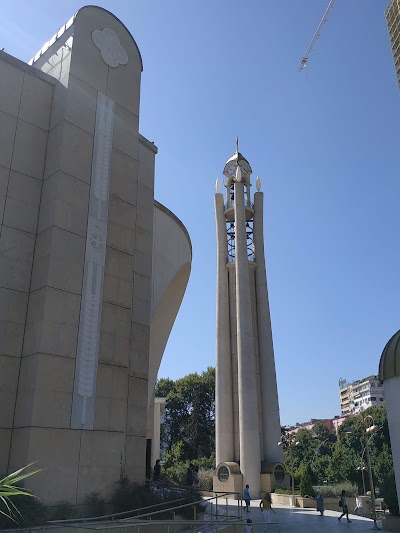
(343,505)
(359,505)
(266,508)
(320,503)
(246,497)
(196,478)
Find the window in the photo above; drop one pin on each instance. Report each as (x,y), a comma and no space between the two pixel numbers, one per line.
(223,473)
(279,473)
(373,399)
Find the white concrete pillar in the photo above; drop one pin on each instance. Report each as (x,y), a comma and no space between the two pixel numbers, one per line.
(271,427)
(249,432)
(223,379)
(392,396)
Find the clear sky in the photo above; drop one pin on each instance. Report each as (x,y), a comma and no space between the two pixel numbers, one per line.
(325,144)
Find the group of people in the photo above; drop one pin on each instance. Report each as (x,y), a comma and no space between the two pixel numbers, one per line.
(192,476)
(265,506)
(342,504)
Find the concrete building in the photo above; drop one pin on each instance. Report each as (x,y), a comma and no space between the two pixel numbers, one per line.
(357,396)
(393,25)
(247,411)
(389,374)
(92,269)
(332,424)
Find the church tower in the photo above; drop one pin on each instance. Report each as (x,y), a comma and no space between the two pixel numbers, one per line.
(247,411)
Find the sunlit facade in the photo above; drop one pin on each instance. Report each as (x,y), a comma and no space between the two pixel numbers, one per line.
(393,24)
(357,396)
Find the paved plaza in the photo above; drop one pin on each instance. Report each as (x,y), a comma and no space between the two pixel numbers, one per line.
(295,519)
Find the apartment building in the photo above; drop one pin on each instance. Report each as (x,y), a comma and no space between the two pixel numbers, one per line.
(393,24)
(357,396)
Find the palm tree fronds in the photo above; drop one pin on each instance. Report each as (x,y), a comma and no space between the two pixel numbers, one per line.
(10,489)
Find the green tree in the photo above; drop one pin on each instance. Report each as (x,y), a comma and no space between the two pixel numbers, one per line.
(306,488)
(188,426)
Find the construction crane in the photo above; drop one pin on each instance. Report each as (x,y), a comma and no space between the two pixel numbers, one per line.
(325,16)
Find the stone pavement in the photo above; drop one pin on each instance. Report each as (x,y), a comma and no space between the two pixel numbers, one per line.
(307,520)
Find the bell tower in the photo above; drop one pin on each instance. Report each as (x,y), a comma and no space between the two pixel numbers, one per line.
(247,411)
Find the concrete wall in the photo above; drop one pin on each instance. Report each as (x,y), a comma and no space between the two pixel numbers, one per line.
(76,262)
(25,107)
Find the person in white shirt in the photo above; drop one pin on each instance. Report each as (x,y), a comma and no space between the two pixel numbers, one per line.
(359,505)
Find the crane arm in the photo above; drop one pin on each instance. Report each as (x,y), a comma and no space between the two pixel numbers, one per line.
(328,10)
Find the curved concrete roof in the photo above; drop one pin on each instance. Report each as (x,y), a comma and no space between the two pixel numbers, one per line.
(69,23)
(389,364)
(172,258)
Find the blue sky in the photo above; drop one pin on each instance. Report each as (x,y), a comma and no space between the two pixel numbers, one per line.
(325,144)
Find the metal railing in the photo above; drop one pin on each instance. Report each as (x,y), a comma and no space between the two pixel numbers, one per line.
(212,507)
(183,526)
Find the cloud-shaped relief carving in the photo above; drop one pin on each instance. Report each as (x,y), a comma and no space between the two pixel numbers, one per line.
(111,50)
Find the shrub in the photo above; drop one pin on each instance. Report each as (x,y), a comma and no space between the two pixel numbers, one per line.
(32,513)
(390,495)
(129,496)
(334,491)
(63,510)
(206,479)
(286,491)
(176,472)
(95,504)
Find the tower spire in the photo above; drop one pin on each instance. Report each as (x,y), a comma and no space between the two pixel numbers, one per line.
(247,410)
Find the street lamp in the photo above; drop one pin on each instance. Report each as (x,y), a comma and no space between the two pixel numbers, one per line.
(317,450)
(370,429)
(361,468)
(289,442)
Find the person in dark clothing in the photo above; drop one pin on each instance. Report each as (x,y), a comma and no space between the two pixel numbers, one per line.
(345,509)
(189,475)
(157,470)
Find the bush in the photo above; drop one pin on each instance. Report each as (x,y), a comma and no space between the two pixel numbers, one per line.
(129,496)
(95,504)
(334,491)
(287,491)
(176,472)
(206,479)
(32,513)
(63,510)
(390,495)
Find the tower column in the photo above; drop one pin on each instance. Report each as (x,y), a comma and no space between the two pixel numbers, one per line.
(271,452)
(249,428)
(223,379)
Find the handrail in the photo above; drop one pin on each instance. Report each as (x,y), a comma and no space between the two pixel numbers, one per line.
(93,518)
(111,517)
(167,523)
